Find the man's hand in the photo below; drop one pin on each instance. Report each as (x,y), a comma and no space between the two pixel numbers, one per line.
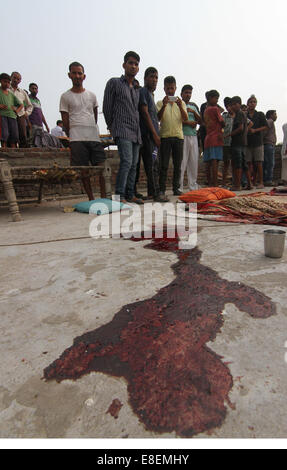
(179,102)
(165,101)
(156,140)
(252,131)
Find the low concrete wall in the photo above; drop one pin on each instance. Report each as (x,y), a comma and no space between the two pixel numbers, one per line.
(26,188)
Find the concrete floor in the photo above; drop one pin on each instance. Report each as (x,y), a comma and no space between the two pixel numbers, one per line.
(52,292)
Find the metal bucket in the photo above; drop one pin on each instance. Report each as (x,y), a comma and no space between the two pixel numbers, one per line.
(274,243)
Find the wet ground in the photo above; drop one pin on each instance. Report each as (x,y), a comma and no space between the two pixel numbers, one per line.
(58,284)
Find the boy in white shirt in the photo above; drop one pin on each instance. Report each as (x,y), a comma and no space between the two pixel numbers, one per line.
(58,130)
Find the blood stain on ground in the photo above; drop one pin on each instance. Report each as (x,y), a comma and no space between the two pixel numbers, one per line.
(175,382)
(115,408)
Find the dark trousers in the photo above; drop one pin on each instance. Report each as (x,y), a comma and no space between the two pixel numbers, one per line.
(151,166)
(174,147)
(22,127)
(202,133)
(269,162)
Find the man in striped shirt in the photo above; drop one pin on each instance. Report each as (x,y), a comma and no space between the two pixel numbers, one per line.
(120,107)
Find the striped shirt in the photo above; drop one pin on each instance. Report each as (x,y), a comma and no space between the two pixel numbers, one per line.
(120,108)
(24,99)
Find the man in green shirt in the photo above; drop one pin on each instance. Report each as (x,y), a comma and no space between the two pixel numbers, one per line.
(9,107)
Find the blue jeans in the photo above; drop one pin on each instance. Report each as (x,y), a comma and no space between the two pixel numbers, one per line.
(269,162)
(126,177)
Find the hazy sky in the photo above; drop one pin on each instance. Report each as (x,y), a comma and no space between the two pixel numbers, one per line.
(238,48)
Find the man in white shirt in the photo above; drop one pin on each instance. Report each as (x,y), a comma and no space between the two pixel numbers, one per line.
(58,130)
(22,116)
(79,111)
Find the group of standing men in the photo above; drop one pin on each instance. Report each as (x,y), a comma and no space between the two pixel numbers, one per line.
(168,128)
(136,124)
(20,112)
(156,131)
(249,142)
(135,127)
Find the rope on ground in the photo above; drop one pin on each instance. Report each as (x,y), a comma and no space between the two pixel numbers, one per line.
(45,241)
(42,242)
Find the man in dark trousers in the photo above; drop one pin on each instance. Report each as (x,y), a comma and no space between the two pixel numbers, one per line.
(79,110)
(270,141)
(150,134)
(255,146)
(171,114)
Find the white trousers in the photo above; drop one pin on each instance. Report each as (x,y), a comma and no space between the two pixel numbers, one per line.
(190,162)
